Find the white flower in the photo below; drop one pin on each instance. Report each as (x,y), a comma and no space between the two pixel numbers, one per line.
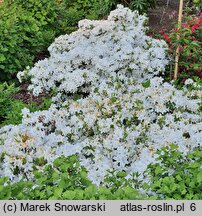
(20,75)
(189,81)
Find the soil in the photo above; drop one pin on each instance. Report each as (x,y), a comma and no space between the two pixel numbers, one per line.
(164,16)
(41,56)
(27,97)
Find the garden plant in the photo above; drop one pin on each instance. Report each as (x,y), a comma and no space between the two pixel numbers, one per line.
(114,128)
(188,37)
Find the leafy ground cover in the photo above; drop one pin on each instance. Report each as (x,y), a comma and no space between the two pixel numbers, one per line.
(114,128)
(66,179)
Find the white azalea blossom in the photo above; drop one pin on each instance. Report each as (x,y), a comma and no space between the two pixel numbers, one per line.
(125,111)
(189,81)
(99,50)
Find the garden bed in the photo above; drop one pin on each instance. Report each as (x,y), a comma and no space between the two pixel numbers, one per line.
(115,126)
(164,16)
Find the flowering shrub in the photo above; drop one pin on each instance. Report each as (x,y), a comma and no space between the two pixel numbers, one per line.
(109,108)
(117,48)
(189,39)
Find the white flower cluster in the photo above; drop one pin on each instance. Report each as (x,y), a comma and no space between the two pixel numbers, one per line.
(98,50)
(127,115)
(114,128)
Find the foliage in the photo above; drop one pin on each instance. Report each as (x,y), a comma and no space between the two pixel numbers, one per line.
(28,27)
(189,39)
(10,108)
(176,176)
(5,100)
(23,33)
(142,5)
(65,179)
(172,177)
(197,4)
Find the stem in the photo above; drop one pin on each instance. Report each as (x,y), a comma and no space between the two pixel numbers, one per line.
(177,50)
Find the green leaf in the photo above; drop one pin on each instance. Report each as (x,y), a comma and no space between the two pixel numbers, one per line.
(2,58)
(53,198)
(146,84)
(104,190)
(57,192)
(158,170)
(79,194)
(130,192)
(199,177)
(178,177)
(184,191)
(69,195)
(91,189)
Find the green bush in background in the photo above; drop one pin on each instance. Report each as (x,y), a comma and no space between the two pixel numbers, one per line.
(5,100)
(142,5)
(29,27)
(24,31)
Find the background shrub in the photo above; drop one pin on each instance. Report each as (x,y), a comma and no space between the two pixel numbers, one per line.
(142,5)
(29,27)
(24,31)
(6,102)
(189,39)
